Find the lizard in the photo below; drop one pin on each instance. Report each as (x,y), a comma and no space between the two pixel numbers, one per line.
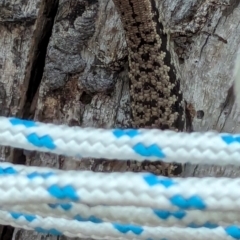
(156,99)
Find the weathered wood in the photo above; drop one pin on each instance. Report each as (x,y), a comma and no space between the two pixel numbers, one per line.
(80,86)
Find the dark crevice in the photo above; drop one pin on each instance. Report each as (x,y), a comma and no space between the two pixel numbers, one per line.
(7,232)
(189,120)
(200,114)
(227,105)
(37,70)
(86,98)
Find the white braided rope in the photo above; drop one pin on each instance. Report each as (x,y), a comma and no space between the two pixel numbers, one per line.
(111,231)
(138,199)
(107,231)
(128,189)
(130,215)
(141,144)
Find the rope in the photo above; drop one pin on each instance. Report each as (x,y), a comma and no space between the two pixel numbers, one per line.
(113,230)
(139,144)
(118,205)
(128,214)
(128,189)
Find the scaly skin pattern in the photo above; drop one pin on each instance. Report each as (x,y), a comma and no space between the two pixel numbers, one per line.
(156,99)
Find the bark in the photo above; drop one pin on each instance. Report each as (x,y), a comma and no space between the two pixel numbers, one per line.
(65,62)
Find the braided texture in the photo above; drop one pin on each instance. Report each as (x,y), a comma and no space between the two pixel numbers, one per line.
(139,144)
(114,231)
(86,204)
(128,189)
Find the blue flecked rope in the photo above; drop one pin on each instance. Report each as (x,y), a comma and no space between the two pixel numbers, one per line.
(53,206)
(75,187)
(60,198)
(123,144)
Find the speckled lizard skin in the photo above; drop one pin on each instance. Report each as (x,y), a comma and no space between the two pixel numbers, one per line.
(156,99)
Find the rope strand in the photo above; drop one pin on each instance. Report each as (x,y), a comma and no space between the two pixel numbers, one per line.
(113,230)
(139,144)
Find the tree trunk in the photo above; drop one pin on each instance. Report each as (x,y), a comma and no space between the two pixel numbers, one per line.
(65,62)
